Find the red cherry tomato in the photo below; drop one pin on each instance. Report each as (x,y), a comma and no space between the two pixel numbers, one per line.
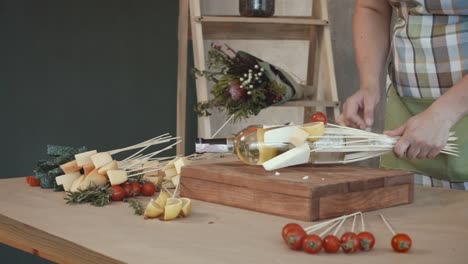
(294,238)
(118,193)
(128,189)
(401,243)
(312,244)
(331,244)
(136,189)
(349,242)
(148,189)
(289,227)
(319,117)
(33,182)
(366,241)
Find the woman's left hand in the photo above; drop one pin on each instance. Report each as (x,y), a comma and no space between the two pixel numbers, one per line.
(423,136)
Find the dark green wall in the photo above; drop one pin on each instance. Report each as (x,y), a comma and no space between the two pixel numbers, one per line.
(100,73)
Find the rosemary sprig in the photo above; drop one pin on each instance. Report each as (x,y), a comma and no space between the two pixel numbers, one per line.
(97,196)
(136,205)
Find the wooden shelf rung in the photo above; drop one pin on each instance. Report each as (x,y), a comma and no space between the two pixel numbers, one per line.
(263,20)
(310,103)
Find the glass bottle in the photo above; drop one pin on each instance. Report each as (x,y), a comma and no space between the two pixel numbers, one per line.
(257,8)
(250,148)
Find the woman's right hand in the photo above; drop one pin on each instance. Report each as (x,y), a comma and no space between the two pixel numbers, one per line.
(358,110)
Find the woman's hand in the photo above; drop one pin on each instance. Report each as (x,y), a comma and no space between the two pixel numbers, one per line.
(358,110)
(423,136)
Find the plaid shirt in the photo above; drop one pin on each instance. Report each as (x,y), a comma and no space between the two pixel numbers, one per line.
(429,46)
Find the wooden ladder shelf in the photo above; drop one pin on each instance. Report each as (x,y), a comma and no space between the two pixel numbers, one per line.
(321,78)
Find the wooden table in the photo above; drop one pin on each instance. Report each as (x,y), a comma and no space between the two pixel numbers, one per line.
(39,222)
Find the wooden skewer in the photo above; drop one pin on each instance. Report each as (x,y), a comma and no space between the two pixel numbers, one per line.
(354,222)
(339,226)
(139,145)
(330,221)
(363,228)
(330,228)
(387,224)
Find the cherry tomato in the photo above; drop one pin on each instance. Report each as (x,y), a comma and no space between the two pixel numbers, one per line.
(289,227)
(401,243)
(366,241)
(118,193)
(349,242)
(33,182)
(294,238)
(127,188)
(148,189)
(136,189)
(319,117)
(331,244)
(312,244)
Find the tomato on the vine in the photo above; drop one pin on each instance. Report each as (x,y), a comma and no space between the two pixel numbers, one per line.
(349,242)
(294,238)
(288,227)
(401,243)
(136,189)
(366,241)
(118,193)
(331,244)
(319,117)
(148,189)
(312,244)
(127,188)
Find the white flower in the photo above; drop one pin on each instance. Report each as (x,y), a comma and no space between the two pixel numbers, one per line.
(241,79)
(242,86)
(249,92)
(256,66)
(250,70)
(245,75)
(259,74)
(251,86)
(261,69)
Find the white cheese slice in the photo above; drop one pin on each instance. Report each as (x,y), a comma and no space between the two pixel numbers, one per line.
(169,165)
(76,184)
(117,177)
(295,156)
(100,159)
(94,179)
(109,166)
(175,180)
(298,137)
(60,180)
(84,158)
(181,162)
(70,167)
(170,173)
(281,134)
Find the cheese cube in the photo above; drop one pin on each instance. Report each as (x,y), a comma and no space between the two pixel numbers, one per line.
(101,159)
(88,168)
(170,173)
(109,166)
(295,156)
(180,162)
(117,177)
(176,180)
(298,137)
(94,179)
(76,184)
(168,185)
(169,165)
(84,158)
(70,167)
(67,180)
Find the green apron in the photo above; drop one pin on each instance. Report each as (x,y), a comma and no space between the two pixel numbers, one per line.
(443,167)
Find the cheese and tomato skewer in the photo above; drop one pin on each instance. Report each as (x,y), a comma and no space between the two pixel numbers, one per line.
(366,239)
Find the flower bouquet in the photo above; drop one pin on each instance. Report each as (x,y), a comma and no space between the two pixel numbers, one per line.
(245,84)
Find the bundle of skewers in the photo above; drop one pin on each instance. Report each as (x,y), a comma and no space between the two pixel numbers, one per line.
(358,145)
(321,143)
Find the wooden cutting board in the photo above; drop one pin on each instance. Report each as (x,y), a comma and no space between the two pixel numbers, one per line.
(306,193)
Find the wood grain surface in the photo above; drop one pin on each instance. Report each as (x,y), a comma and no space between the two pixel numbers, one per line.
(328,190)
(437,221)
